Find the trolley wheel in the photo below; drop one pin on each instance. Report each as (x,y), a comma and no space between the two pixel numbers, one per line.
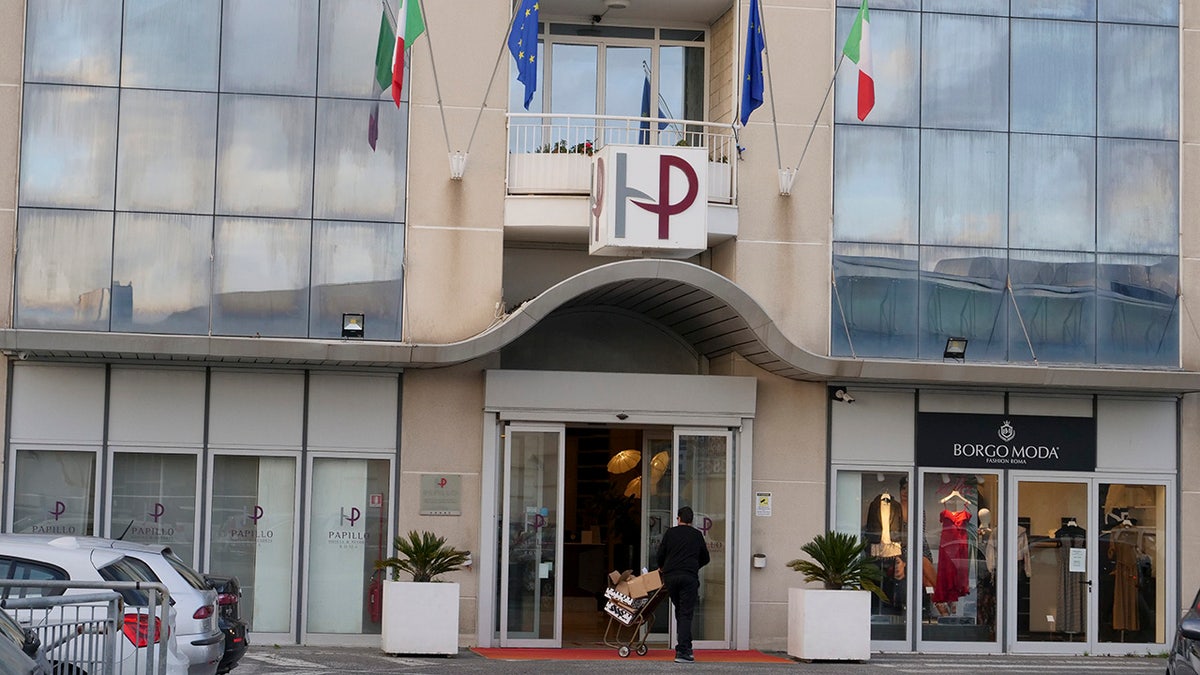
(641,650)
(623,651)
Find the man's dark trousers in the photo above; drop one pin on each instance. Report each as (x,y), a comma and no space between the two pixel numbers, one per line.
(684,590)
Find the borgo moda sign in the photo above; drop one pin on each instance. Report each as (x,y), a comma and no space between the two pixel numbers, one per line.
(1006,442)
(649,200)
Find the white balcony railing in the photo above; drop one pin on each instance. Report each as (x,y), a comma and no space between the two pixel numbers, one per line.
(552,154)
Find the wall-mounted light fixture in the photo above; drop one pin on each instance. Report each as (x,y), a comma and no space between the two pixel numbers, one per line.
(353,326)
(956,348)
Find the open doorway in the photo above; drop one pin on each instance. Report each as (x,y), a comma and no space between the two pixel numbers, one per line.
(618,499)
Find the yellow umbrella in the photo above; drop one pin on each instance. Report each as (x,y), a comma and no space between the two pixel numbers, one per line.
(624,461)
(634,489)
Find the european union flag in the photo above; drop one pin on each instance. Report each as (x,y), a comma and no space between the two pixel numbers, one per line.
(523,43)
(644,127)
(752,78)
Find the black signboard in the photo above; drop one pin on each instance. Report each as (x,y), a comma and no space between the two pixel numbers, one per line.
(1006,442)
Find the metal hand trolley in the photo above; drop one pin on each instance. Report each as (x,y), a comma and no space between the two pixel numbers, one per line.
(633,617)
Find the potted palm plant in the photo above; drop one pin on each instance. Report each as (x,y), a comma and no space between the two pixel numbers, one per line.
(420,616)
(833,623)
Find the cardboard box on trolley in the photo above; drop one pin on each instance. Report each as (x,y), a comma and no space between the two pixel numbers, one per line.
(624,583)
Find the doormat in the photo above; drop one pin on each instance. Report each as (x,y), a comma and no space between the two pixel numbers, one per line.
(610,654)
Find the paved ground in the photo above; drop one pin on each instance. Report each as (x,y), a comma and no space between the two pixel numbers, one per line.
(292,660)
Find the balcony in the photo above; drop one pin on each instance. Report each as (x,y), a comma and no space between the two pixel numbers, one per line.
(550,159)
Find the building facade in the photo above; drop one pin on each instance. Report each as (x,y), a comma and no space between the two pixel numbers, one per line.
(538,322)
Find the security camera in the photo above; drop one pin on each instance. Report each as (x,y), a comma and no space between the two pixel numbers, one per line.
(24,356)
(843,396)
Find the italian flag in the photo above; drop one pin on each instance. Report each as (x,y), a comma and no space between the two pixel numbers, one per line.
(858,50)
(389,53)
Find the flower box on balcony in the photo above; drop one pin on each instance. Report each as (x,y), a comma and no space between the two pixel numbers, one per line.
(549,173)
(720,182)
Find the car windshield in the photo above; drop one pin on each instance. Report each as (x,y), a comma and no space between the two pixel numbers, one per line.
(129,569)
(192,576)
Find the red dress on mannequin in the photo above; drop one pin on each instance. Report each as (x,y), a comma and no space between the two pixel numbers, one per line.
(953,580)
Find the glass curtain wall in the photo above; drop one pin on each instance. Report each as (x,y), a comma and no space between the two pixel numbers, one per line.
(177,177)
(983,198)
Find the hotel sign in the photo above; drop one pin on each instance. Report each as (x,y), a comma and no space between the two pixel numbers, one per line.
(649,200)
(1006,442)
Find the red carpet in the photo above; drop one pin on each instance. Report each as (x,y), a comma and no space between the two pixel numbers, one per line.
(609,654)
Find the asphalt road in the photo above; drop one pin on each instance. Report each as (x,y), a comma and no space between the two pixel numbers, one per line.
(293,660)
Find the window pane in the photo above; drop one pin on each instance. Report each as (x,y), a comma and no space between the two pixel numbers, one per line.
(260,277)
(1138,310)
(681,82)
(1052,192)
(573,90)
(963,295)
(1056,296)
(171,44)
(1061,99)
(1138,81)
(964,74)
(68,146)
(1133,569)
(875,301)
(64,272)
(71,41)
(1055,9)
(54,492)
(882,4)
(963,195)
(162,273)
(352,181)
(1137,195)
(166,151)
(994,7)
(271,47)
(253,535)
(357,267)
(875,184)
(895,44)
(624,82)
(348,37)
(154,500)
(1140,11)
(265,156)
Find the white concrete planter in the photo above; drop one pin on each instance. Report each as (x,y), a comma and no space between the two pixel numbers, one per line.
(829,625)
(419,618)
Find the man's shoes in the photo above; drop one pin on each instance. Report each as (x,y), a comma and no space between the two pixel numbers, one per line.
(684,658)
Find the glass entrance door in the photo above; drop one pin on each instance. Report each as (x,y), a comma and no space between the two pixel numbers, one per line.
(530,608)
(703,481)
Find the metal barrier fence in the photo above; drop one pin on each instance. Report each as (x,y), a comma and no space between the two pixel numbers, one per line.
(96,633)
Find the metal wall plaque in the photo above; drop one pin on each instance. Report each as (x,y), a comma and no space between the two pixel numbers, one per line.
(441,494)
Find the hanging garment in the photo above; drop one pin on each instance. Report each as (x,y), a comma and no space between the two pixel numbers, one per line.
(884,528)
(1072,586)
(953,572)
(1123,552)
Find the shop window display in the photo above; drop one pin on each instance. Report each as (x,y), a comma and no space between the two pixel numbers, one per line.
(1132,587)
(1052,582)
(874,506)
(959,537)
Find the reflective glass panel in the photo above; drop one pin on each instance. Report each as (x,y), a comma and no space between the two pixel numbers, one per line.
(626,71)
(68,146)
(165,38)
(162,273)
(54,492)
(1052,192)
(64,270)
(352,181)
(347,533)
(874,506)
(1052,585)
(874,300)
(357,268)
(1138,310)
(1056,307)
(964,199)
(349,29)
(1140,11)
(882,4)
(681,88)
(253,533)
(964,72)
(703,485)
(1055,9)
(265,156)
(994,7)
(1138,81)
(71,41)
(260,277)
(895,44)
(1137,196)
(962,295)
(573,90)
(875,184)
(154,500)
(1132,593)
(166,151)
(271,47)
(1040,101)
(961,530)
(534,458)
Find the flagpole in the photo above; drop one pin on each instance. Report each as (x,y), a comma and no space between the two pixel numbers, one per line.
(820,110)
(762,24)
(455,171)
(495,69)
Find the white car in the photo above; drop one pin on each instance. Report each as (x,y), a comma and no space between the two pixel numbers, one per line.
(32,557)
(199,637)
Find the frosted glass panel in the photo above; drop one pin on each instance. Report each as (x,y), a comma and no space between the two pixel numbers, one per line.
(64,272)
(1137,196)
(1052,192)
(166,152)
(162,273)
(154,500)
(1040,101)
(260,277)
(265,156)
(352,181)
(271,47)
(963,195)
(68,146)
(964,72)
(165,39)
(875,184)
(54,492)
(71,41)
(357,268)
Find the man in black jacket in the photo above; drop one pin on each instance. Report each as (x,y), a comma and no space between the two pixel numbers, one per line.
(681,554)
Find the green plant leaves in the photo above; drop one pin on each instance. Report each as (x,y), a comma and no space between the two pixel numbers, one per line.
(838,562)
(424,555)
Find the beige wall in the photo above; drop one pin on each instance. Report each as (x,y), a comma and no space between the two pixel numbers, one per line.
(1189,222)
